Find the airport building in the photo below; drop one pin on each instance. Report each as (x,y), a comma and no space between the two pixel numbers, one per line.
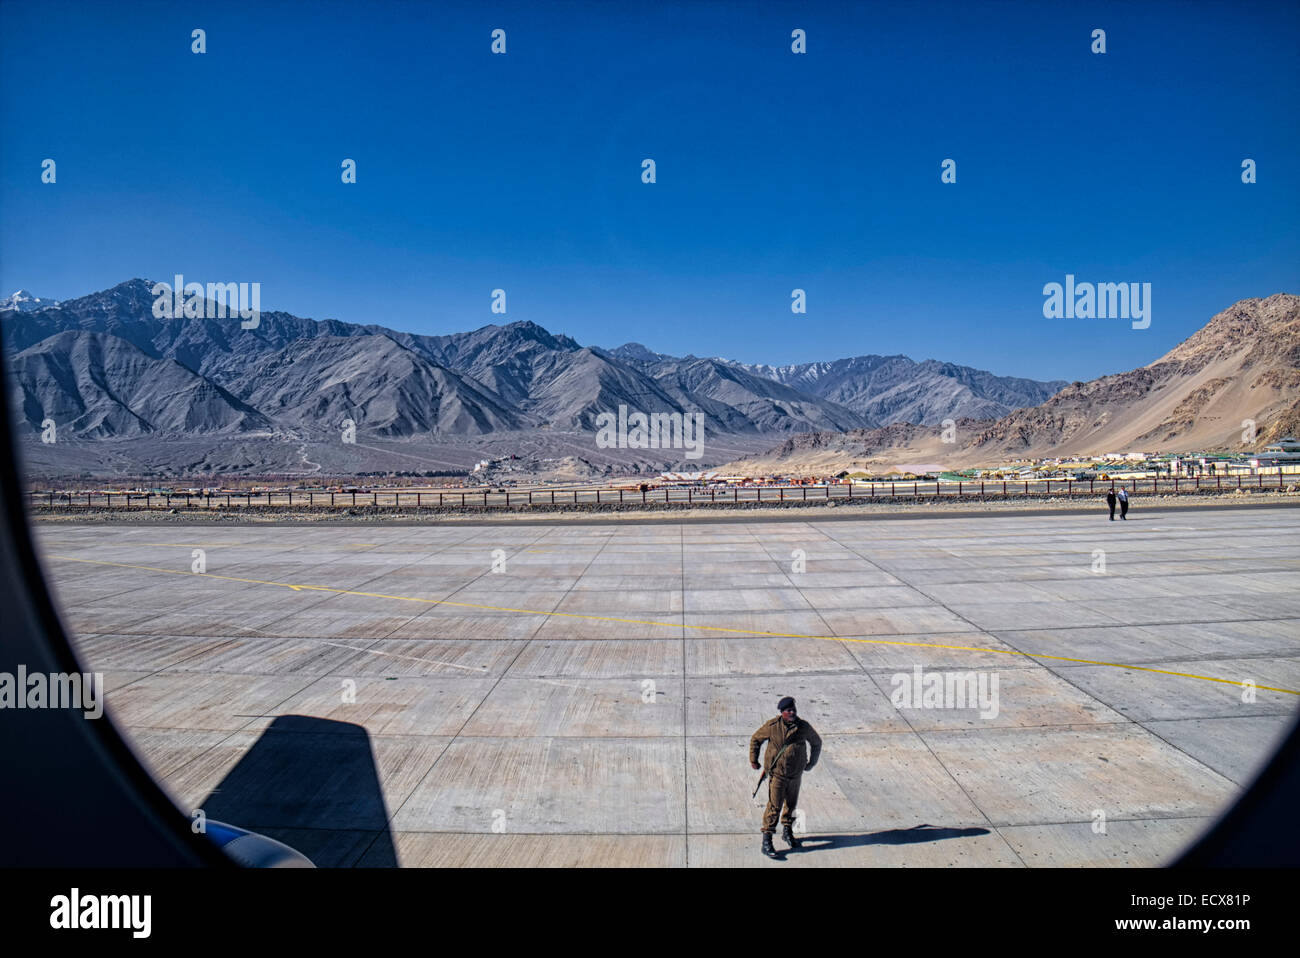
(1282,456)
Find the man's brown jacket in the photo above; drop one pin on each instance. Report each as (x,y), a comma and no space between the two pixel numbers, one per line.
(794,760)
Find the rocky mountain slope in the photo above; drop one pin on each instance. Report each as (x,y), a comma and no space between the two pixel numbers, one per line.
(97,386)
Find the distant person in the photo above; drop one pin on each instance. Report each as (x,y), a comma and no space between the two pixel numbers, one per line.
(788,738)
(1110,501)
(1123,505)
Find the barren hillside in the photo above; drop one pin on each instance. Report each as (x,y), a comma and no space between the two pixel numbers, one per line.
(1244,364)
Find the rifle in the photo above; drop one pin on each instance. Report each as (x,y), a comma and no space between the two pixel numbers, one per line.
(773,765)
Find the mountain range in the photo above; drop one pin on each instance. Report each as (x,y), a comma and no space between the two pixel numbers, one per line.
(103,366)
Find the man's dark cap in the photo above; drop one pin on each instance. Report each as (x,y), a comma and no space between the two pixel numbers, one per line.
(785,703)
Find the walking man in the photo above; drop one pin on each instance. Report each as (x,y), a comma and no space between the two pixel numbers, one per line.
(1110,501)
(788,738)
(1123,504)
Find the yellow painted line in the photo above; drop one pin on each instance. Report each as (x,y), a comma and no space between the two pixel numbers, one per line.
(669,625)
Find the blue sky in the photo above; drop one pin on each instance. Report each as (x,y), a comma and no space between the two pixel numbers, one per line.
(819,171)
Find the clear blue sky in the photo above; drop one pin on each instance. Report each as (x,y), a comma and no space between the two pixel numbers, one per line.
(775,170)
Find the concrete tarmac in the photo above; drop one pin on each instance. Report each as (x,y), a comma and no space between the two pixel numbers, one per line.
(554,695)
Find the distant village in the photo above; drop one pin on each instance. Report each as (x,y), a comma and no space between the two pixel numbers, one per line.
(1279,458)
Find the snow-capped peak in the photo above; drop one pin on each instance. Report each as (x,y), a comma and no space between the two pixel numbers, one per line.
(25,302)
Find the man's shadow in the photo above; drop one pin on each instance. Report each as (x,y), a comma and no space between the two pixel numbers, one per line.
(894,836)
(312,784)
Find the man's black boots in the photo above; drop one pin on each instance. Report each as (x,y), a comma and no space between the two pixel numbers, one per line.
(768,849)
(787,836)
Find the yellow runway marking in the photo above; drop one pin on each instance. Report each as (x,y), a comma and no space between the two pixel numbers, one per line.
(669,625)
